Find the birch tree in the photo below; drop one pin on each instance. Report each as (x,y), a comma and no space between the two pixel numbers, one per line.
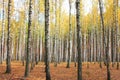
(28,41)
(8,60)
(79,39)
(104,43)
(70,36)
(48,77)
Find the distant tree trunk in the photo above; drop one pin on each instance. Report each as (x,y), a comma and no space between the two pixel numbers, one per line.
(60,39)
(79,40)
(8,60)
(37,50)
(112,45)
(89,48)
(102,22)
(41,47)
(64,50)
(82,43)
(28,41)
(100,41)
(20,44)
(96,35)
(85,49)
(75,44)
(70,41)
(53,55)
(5,48)
(33,49)
(24,48)
(56,35)
(88,52)
(93,38)
(104,43)
(115,25)
(34,40)
(48,77)
(90,45)
(51,48)
(12,50)
(2,36)
(18,47)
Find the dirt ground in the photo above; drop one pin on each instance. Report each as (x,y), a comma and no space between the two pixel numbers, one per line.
(58,73)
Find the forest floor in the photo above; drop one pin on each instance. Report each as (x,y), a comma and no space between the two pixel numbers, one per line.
(94,72)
